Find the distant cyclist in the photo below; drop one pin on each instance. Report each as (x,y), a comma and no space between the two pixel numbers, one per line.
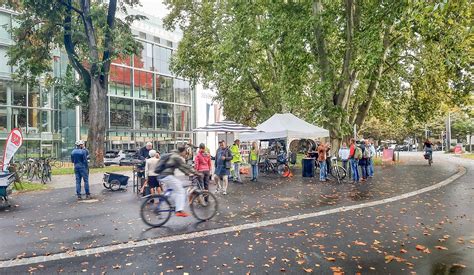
(428,148)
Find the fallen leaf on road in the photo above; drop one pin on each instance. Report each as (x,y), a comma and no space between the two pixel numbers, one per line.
(359,243)
(441,247)
(389,258)
(403,251)
(117,266)
(44,238)
(179,267)
(308,270)
(459,265)
(330,259)
(420,247)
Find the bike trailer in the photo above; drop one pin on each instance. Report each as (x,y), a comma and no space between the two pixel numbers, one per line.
(5,180)
(114,181)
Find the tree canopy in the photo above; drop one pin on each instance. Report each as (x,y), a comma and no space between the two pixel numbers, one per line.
(334,63)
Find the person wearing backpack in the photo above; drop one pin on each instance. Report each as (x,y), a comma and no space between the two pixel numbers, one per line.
(354,156)
(166,168)
(364,161)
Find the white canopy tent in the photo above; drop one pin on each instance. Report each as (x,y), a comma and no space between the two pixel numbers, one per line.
(285,126)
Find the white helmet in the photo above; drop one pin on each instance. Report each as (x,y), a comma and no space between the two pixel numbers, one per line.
(79,142)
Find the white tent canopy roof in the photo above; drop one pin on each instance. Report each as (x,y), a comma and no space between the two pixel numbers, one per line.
(285,126)
(226,126)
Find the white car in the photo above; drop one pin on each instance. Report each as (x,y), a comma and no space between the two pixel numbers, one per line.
(113,157)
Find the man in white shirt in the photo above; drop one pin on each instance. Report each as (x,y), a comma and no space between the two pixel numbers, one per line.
(344,155)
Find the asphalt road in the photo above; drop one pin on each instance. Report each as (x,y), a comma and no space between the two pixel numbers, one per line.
(379,239)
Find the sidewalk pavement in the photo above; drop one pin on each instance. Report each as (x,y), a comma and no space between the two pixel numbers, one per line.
(69,181)
(54,221)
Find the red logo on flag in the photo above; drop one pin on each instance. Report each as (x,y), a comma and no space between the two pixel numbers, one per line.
(16,139)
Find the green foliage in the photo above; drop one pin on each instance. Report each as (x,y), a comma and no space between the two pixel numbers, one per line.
(330,62)
(73,92)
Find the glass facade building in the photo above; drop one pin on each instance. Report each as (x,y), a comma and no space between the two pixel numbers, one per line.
(146,103)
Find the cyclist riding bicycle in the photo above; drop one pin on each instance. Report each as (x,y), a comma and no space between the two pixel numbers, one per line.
(166,168)
(428,148)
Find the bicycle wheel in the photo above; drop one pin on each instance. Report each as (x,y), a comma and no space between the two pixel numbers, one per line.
(114,185)
(156,210)
(338,172)
(281,168)
(204,206)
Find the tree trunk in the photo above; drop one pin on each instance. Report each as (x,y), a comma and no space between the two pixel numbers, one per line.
(335,137)
(97,122)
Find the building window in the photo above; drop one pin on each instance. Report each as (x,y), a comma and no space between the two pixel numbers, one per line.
(19,95)
(143,83)
(19,118)
(34,97)
(39,121)
(3,121)
(120,81)
(45,97)
(164,88)
(5,27)
(144,115)
(164,116)
(145,60)
(183,118)
(183,92)
(120,113)
(4,68)
(162,58)
(4,92)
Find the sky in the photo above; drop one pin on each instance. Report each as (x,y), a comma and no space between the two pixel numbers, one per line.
(154,7)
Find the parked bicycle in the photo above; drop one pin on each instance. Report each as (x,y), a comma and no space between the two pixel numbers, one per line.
(39,169)
(280,166)
(156,210)
(337,171)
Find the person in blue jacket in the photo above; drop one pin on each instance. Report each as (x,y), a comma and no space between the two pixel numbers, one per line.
(81,168)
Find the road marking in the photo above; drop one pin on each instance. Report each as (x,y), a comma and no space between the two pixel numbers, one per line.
(200,234)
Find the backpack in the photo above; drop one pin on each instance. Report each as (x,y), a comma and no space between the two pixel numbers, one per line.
(366,153)
(357,152)
(162,164)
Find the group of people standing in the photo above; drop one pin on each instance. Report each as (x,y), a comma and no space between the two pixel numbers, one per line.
(357,159)
(359,156)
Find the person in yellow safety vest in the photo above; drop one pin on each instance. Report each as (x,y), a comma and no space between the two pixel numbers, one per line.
(253,160)
(236,160)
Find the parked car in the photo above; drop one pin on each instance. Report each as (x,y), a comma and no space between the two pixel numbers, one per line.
(130,159)
(403,147)
(113,157)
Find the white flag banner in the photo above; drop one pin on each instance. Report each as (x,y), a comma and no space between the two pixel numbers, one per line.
(13,143)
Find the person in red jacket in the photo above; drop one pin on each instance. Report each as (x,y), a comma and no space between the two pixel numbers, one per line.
(202,164)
